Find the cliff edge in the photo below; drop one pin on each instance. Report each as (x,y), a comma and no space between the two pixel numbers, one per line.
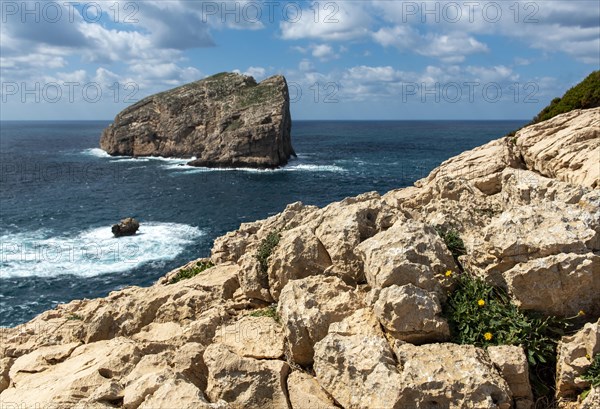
(343,306)
(227,120)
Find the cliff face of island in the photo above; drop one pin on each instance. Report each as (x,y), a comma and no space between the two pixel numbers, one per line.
(227,120)
(345,306)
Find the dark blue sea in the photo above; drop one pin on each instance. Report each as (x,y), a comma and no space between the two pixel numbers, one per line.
(60,194)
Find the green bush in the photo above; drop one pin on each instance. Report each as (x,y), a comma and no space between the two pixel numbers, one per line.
(482,315)
(266,248)
(186,273)
(270,311)
(592,375)
(453,241)
(584,95)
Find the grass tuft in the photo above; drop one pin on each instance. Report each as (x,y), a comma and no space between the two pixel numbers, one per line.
(266,248)
(270,311)
(186,273)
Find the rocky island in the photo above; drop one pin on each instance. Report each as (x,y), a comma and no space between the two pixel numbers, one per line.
(475,288)
(226,120)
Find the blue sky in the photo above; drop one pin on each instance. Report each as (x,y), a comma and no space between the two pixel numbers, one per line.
(367,59)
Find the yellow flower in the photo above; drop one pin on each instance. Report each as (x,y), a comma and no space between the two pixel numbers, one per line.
(588,356)
(581,313)
(448,273)
(481,303)
(487,336)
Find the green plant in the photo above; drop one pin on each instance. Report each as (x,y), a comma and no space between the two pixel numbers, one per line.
(270,311)
(482,315)
(592,375)
(74,317)
(186,273)
(584,95)
(266,248)
(453,242)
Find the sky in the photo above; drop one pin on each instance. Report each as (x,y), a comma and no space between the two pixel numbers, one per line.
(358,60)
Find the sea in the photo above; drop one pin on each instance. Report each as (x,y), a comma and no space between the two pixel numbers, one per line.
(60,194)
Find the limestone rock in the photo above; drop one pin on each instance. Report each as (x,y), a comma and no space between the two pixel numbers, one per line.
(233,245)
(411,314)
(574,357)
(307,307)
(564,147)
(88,369)
(561,284)
(126,227)
(531,232)
(299,254)
(512,364)
(306,393)
(344,225)
(359,371)
(450,376)
(407,253)
(245,382)
(178,393)
(253,337)
(227,120)
(361,322)
(141,387)
(5,364)
(254,282)
(481,166)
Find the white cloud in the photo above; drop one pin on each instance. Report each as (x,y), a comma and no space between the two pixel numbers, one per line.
(492,74)
(324,52)
(258,73)
(334,21)
(306,66)
(451,47)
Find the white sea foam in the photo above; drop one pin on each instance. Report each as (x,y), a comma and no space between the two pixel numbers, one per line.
(92,252)
(97,152)
(186,169)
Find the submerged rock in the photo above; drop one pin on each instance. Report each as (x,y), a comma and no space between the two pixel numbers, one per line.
(227,120)
(126,227)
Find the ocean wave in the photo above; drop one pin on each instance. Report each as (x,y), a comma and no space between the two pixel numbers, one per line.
(99,153)
(92,252)
(187,169)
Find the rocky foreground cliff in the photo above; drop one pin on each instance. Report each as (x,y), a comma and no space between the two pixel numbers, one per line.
(227,120)
(341,307)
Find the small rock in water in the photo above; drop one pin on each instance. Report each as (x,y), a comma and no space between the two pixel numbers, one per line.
(127,227)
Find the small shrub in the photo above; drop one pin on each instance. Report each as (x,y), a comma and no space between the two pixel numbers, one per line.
(74,317)
(270,311)
(453,242)
(186,273)
(266,248)
(482,315)
(592,375)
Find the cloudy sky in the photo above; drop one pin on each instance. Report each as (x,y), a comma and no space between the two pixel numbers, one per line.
(366,59)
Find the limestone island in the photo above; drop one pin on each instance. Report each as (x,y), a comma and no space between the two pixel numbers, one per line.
(226,120)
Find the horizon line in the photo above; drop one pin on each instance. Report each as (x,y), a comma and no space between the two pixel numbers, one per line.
(306,120)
